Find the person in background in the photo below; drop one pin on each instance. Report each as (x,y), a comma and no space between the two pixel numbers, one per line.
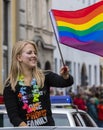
(27,88)
(100,112)
(92,109)
(80,102)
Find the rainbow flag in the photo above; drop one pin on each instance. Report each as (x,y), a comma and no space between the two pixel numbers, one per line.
(81,29)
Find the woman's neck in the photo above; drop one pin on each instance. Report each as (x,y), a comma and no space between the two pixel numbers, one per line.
(28,76)
(27,72)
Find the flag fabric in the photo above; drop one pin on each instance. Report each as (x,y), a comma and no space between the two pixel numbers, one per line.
(81,29)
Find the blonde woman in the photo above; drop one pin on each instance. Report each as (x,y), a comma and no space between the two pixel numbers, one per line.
(27,88)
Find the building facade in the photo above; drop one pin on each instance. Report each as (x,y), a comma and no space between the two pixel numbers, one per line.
(29,19)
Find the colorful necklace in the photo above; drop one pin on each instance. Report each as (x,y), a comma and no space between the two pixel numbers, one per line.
(23,94)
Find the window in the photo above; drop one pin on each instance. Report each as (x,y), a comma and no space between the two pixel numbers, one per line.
(58,118)
(47,65)
(38,64)
(68,63)
(90,73)
(6,14)
(87,120)
(79,76)
(77,120)
(5,20)
(95,75)
(61,63)
(56,65)
(5,64)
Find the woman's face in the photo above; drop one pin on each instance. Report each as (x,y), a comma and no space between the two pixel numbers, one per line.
(28,57)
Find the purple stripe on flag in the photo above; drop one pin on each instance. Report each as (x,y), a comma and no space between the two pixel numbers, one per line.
(92,46)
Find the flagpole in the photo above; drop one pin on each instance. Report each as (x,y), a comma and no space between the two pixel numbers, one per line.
(57,42)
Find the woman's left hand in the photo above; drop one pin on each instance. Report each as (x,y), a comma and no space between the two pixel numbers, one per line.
(64,71)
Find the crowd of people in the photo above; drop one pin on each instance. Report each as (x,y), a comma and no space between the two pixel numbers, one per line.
(90,100)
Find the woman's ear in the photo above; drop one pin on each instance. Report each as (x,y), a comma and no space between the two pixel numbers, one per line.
(19,58)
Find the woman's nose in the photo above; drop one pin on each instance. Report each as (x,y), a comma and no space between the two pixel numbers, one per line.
(34,54)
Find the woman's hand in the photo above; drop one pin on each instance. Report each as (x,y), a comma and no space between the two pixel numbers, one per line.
(64,71)
(22,124)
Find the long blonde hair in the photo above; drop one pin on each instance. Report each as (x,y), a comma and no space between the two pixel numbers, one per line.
(15,69)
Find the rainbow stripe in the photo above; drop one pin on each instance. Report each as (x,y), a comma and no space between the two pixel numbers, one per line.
(81,29)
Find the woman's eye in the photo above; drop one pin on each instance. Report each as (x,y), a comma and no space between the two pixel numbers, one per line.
(30,52)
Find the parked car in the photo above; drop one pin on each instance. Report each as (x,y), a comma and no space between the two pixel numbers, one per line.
(63,114)
(67,114)
(71,117)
